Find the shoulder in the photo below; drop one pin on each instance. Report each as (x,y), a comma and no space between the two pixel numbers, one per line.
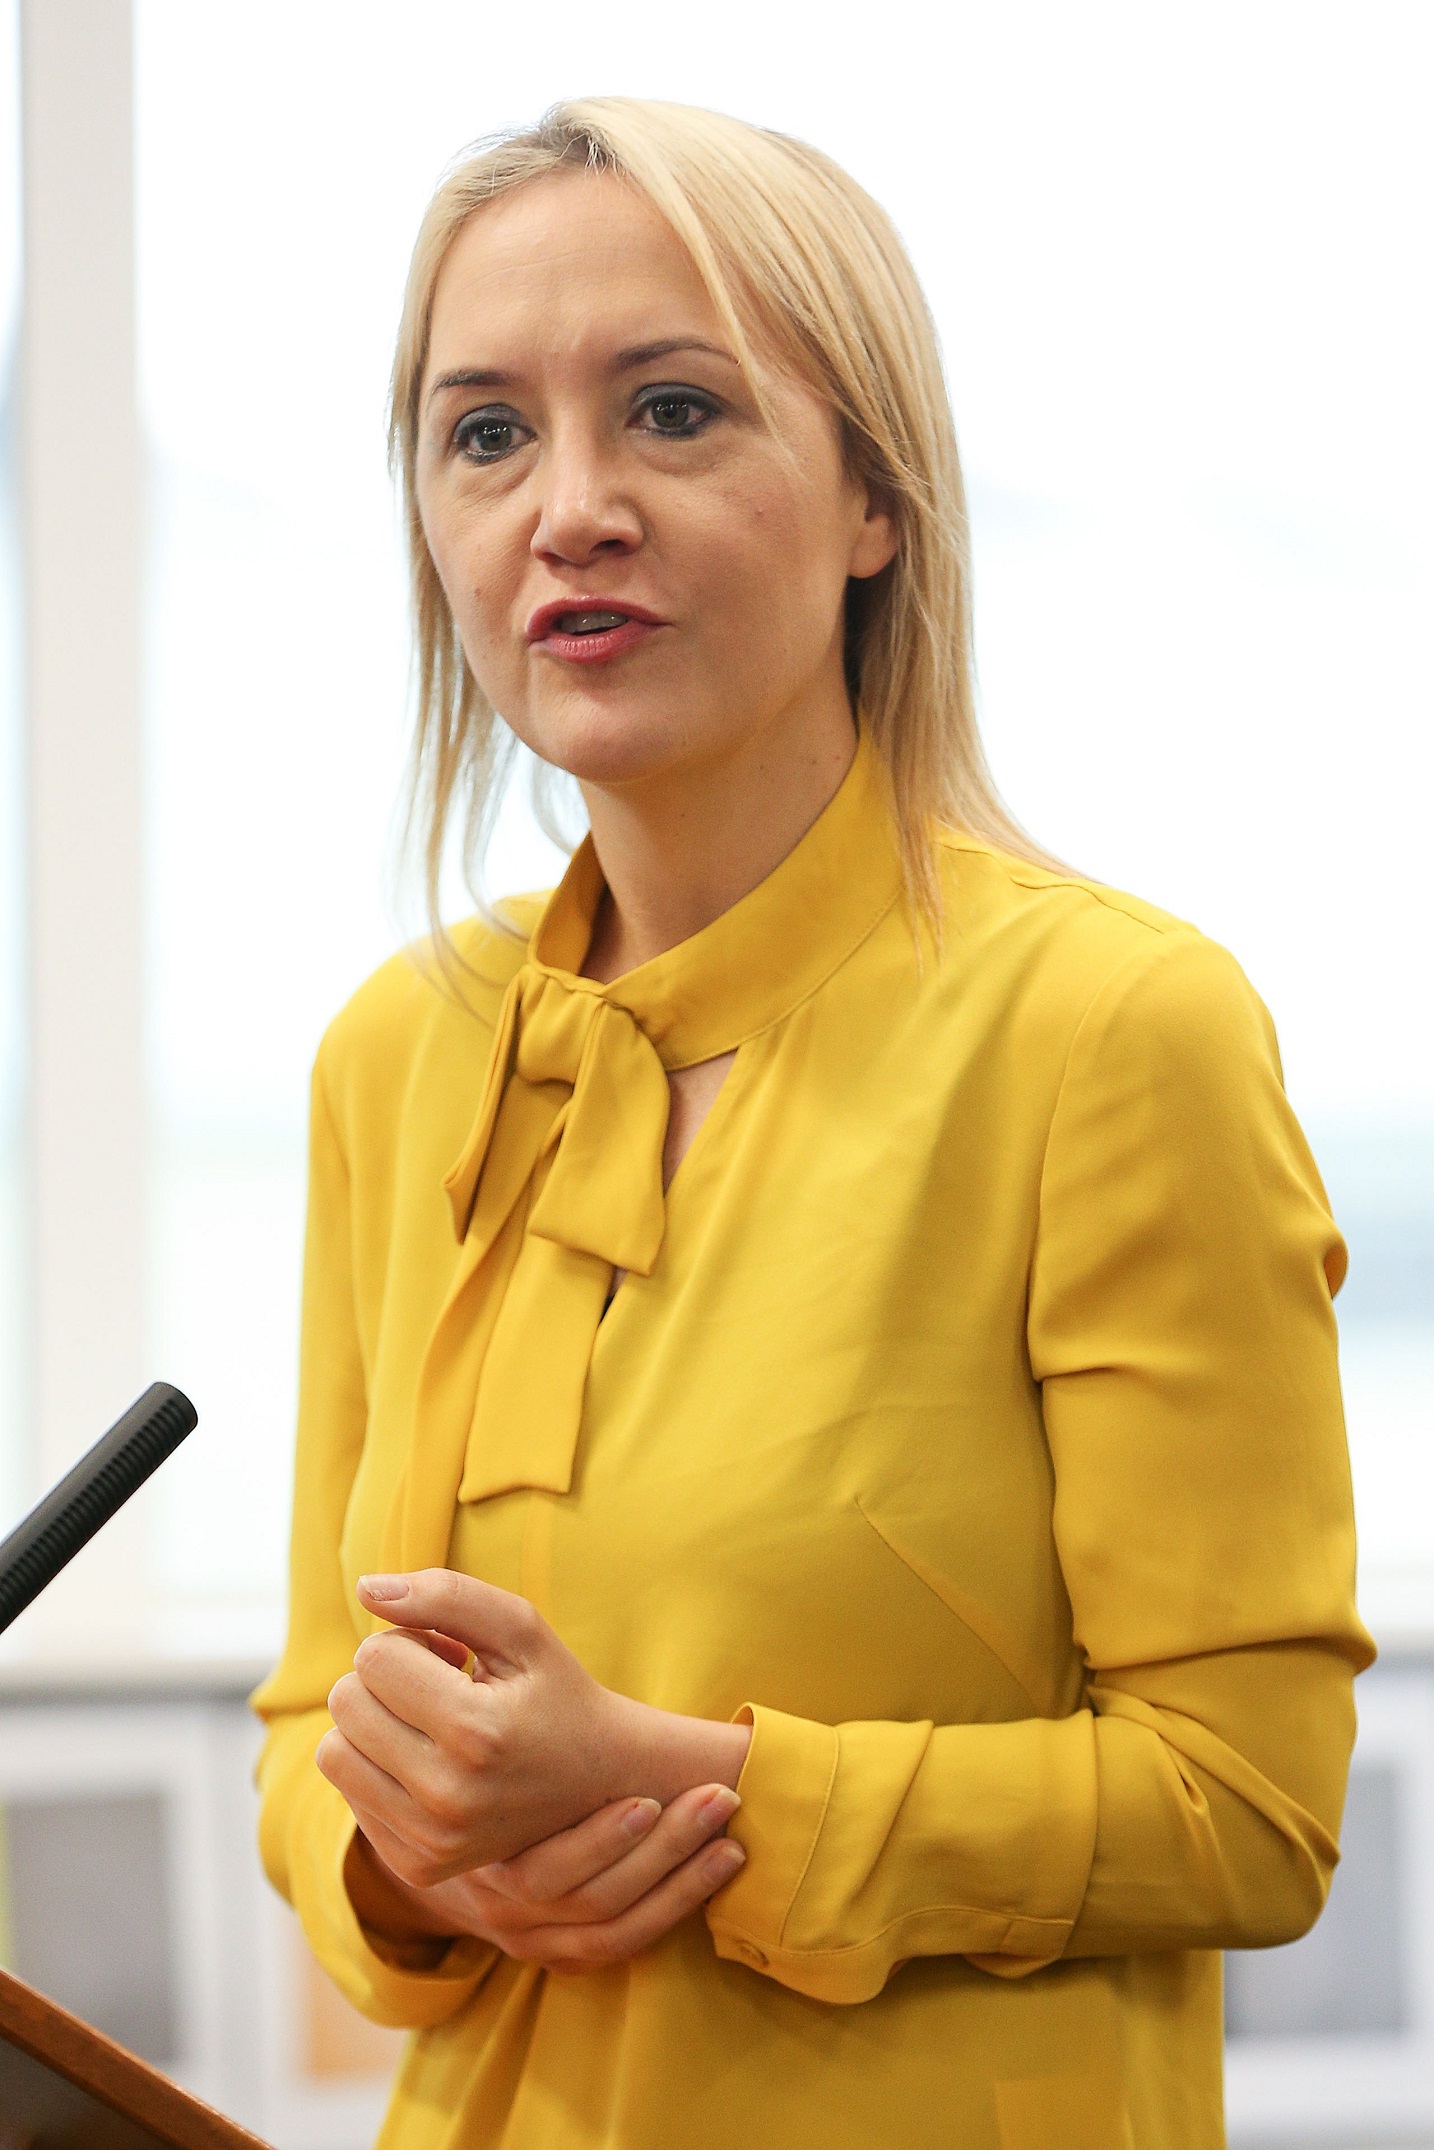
(1096,959)
(413,1009)
(1051,903)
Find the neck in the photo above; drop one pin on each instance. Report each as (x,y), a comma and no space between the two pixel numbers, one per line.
(679,850)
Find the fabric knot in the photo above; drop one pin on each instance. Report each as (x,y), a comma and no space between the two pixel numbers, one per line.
(560,1179)
(558,1184)
(574,1075)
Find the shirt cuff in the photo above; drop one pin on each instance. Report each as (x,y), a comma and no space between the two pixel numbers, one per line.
(870,1843)
(785,1785)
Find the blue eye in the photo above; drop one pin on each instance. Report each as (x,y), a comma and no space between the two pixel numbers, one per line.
(487,436)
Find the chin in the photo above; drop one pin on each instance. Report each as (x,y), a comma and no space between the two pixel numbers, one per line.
(610,745)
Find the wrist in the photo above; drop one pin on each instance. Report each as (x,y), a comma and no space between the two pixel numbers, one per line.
(666,1754)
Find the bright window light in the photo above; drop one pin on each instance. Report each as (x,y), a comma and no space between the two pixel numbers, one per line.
(13,1446)
(1179,265)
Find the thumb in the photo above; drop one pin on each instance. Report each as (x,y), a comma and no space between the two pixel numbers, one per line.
(492,1623)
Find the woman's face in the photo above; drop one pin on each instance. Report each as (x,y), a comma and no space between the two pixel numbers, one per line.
(644,578)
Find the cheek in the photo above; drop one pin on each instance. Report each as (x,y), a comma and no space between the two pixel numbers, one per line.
(771,562)
(478,563)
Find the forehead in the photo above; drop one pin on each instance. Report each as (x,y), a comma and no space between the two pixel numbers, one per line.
(572,259)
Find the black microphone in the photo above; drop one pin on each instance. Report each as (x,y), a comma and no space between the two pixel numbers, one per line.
(86,1497)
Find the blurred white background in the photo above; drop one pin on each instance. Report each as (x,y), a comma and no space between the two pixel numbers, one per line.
(1179,265)
(1180,262)
(13,1478)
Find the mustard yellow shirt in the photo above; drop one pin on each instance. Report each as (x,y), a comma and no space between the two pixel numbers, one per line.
(968,1418)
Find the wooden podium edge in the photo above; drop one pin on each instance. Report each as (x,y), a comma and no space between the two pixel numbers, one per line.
(119,2079)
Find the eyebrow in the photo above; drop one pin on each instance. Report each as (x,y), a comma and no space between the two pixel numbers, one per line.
(637,354)
(642,354)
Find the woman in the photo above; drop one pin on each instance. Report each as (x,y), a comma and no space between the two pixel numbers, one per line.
(821,1332)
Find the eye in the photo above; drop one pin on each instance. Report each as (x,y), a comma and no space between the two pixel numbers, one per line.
(488,435)
(676,411)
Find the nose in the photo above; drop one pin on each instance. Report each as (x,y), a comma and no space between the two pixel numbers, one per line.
(584,511)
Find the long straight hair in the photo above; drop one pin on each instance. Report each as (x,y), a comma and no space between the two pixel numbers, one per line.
(802,263)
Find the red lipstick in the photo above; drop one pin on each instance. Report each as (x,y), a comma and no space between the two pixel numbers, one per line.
(590,630)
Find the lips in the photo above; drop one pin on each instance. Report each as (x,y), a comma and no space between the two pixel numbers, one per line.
(590,630)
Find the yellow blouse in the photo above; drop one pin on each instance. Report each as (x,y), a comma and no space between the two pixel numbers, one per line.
(968,1419)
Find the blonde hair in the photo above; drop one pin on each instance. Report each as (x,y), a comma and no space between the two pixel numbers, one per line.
(800,260)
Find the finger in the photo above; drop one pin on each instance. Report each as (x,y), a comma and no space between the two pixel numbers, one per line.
(644,1923)
(385,1844)
(604,1890)
(444,1646)
(494,1623)
(686,1826)
(559,1864)
(370,1791)
(387,1738)
(405,1834)
(414,1683)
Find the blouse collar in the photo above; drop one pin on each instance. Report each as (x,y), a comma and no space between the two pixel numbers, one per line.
(764,956)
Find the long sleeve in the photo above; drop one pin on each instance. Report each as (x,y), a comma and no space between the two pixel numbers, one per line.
(306,1828)
(1181,1329)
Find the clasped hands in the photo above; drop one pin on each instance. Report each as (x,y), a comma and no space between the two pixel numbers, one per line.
(501,1791)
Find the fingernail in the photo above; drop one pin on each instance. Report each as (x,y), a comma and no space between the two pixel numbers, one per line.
(720,1804)
(640,1817)
(384,1587)
(726,1857)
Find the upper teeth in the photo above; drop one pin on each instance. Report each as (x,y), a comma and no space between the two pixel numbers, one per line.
(589,623)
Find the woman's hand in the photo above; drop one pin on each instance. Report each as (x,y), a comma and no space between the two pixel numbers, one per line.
(448,1770)
(593,1895)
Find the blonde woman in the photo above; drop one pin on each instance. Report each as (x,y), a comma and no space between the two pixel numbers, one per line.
(822,1583)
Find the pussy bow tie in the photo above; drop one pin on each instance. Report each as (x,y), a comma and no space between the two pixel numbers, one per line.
(577,1097)
(560,1180)
(558,1184)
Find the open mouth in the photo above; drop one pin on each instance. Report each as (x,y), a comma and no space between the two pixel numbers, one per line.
(591,632)
(588,623)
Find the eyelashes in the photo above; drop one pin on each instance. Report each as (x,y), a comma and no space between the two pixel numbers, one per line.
(671,410)
(489,435)
(662,404)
